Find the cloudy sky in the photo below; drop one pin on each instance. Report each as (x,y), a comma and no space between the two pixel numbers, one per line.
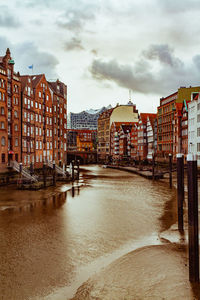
(103,48)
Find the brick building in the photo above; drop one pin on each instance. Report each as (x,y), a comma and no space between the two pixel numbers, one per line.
(10,111)
(33,117)
(59,122)
(134,141)
(166,119)
(103,135)
(28,121)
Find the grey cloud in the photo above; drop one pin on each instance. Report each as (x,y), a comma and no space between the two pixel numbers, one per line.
(7,19)
(123,75)
(76,17)
(171,6)
(74,44)
(143,78)
(26,54)
(164,54)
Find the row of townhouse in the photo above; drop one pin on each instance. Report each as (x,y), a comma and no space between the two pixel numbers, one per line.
(33,117)
(175,128)
(123,134)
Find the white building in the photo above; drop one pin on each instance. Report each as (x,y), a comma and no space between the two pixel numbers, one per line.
(150,136)
(194,126)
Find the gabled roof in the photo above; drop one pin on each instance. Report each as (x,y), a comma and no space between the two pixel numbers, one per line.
(23,79)
(36,79)
(144,116)
(152,118)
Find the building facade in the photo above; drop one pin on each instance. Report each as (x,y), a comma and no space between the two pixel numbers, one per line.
(85,119)
(58,92)
(33,117)
(119,114)
(82,140)
(10,111)
(150,136)
(166,118)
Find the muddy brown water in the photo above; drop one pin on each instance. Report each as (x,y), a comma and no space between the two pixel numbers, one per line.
(52,241)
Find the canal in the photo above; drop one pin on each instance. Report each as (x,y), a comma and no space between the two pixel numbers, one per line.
(52,241)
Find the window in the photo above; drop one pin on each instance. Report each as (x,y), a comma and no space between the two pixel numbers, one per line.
(40,94)
(2,125)
(16,127)
(2,111)
(16,142)
(3,158)
(16,114)
(3,141)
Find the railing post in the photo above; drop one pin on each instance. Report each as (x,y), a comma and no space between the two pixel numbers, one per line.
(72,170)
(54,173)
(180,189)
(44,175)
(78,170)
(31,169)
(193,230)
(153,166)
(170,170)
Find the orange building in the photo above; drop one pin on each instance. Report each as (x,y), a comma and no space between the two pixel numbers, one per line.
(82,139)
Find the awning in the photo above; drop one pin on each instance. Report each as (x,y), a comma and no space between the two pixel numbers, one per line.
(10,152)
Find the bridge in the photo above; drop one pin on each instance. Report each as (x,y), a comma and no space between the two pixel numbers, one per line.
(85,157)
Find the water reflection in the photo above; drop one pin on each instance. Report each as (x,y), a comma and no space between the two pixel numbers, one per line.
(46,204)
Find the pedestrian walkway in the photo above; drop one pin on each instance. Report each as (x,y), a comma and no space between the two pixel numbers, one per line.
(144,173)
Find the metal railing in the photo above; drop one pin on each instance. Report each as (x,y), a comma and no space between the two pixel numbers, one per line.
(58,169)
(25,172)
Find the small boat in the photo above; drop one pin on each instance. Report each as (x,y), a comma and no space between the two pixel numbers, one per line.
(104,166)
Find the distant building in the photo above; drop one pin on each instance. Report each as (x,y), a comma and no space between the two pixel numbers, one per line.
(167,117)
(150,135)
(119,114)
(194,126)
(184,129)
(86,119)
(120,140)
(145,122)
(81,140)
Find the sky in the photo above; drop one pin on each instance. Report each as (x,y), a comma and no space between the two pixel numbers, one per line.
(102,49)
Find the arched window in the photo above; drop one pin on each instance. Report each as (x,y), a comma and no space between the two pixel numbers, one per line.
(3,141)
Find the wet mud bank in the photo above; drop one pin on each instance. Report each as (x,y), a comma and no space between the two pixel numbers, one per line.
(154,272)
